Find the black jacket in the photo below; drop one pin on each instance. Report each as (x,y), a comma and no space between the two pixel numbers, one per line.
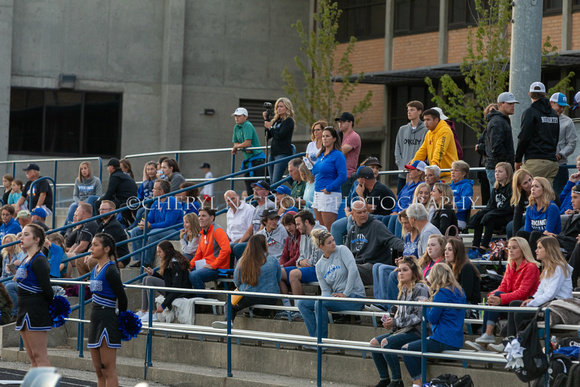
(499,143)
(499,203)
(116,230)
(445,217)
(175,277)
(540,132)
(121,187)
(281,133)
(570,230)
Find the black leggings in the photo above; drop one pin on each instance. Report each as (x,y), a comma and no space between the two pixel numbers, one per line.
(515,320)
(574,261)
(246,302)
(491,224)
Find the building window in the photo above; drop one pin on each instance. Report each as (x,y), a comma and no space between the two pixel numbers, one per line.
(67,123)
(576,6)
(461,13)
(552,7)
(416,16)
(363,19)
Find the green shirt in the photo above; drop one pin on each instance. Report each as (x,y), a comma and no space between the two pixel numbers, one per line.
(298,189)
(244,132)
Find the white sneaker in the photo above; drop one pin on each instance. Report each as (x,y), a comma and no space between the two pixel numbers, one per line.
(485,339)
(145,318)
(373,308)
(140,313)
(475,346)
(497,347)
(219,325)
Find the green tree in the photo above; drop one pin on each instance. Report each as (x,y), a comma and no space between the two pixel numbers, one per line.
(485,67)
(322,97)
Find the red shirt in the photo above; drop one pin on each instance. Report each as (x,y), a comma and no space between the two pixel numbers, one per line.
(519,284)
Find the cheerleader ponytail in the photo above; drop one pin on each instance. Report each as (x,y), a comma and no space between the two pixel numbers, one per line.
(108,241)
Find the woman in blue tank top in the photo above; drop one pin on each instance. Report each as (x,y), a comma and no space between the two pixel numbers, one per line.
(34,294)
(107,289)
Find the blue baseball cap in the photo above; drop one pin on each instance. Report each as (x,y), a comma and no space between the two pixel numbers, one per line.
(417,164)
(560,99)
(283,189)
(576,100)
(39,212)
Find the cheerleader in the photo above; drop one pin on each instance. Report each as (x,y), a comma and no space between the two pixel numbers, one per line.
(34,294)
(106,287)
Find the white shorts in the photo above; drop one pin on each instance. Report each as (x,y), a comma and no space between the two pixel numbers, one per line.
(327,203)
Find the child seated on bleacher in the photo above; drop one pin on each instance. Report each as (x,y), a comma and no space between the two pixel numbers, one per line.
(405,325)
(520,281)
(446,323)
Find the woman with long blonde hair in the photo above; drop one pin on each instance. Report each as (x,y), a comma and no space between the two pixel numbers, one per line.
(87,189)
(521,191)
(405,326)
(555,284)
(258,272)
(447,323)
(189,235)
(280,130)
(445,215)
(520,281)
(542,213)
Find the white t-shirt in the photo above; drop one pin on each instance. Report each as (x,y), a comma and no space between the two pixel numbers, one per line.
(312,151)
(207,189)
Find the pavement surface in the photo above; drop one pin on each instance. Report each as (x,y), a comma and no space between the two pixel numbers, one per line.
(70,378)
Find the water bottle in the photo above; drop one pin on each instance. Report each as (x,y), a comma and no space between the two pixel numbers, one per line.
(307,162)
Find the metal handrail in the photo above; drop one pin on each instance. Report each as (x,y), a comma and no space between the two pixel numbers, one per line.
(56,161)
(320,342)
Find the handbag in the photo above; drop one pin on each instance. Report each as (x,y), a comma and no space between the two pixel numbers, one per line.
(236,298)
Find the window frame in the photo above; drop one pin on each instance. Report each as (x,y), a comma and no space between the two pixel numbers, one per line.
(412,5)
(349,9)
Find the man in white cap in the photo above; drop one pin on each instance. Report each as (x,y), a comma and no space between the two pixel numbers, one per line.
(499,143)
(576,100)
(245,136)
(538,138)
(567,141)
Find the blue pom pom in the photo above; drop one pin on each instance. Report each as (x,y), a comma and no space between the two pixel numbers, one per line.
(129,325)
(59,309)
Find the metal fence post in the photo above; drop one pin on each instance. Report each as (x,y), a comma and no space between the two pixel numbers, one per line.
(423,344)
(229,332)
(81,329)
(319,342)
(149,344)
(547,343)
(233,170)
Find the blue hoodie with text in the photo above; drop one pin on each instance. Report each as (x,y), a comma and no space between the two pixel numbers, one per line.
(543,221)
(447,323)
(462,194)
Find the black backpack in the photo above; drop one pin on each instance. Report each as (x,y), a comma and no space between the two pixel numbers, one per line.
(574,376)
(535,361)
(560,366)
(450,380)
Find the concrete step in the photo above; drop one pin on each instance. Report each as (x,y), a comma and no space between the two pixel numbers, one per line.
(172,374)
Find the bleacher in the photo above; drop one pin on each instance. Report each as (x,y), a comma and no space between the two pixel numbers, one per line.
(262,352)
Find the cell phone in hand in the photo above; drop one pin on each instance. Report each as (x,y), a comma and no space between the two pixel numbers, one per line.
(384,318)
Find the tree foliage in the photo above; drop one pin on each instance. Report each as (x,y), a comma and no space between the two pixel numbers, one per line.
(319,99)
(485,68)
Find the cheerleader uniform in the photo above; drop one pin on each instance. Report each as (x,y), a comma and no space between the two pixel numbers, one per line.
(34,294)
(107,288)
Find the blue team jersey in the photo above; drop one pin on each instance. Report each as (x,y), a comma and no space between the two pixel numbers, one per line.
(101,289)
(25,276)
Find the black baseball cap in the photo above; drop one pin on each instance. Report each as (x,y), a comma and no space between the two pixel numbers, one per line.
(32,167)
(346,116)
(204,165)
(114,163)
(270,213)
(261,184)
(373,161)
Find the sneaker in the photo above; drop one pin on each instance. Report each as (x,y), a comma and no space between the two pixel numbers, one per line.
(485,339)
(145,318)
(497,347)
(474,254)
(374,308)
(295,316)
(384,383)
(219,325)
(346,319)
(140,313)
(282,315)
(475,346)
(396,383)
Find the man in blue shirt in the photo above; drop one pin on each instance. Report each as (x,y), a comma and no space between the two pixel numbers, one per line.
(163,213)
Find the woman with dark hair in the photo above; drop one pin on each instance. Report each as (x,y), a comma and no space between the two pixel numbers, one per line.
(127,168)
(464,271)
(314,146)
(188,199)
(444,216)
(87,189)
(107,289)
(34,293)
(173,273)
(329,175)
(280,130)
(170,169)
(5,306)
(405,326)
(338,277)
(258,272)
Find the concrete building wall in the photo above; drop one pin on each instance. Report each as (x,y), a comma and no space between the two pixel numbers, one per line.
(171,59)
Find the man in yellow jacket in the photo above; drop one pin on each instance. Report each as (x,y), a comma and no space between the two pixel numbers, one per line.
(439,145)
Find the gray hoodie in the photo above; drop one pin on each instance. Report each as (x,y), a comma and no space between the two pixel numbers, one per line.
(339,274)
(87,187)
(407,144)
(307,249)
(567,139)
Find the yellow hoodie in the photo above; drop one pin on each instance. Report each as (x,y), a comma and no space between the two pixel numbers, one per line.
(438,148)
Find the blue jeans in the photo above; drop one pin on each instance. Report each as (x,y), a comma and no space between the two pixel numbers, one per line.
(393,286)
(382,360)
(12,290)
(139,216)
(491,177)
(490,317)
(340,228)
(413,363)
(381,273)
(309,310)
(276,170)
(198,277)
(73,207)
(395,226)
(152,237)
(510,228)
(238,249)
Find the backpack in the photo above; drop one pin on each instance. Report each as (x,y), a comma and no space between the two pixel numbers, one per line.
(560,366)
(573,375)
(450,380)
(534,360)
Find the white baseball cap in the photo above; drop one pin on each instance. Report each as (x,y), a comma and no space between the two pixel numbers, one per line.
(240,112)
(560,99)
(537,87)
(576,100)
(441,115)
